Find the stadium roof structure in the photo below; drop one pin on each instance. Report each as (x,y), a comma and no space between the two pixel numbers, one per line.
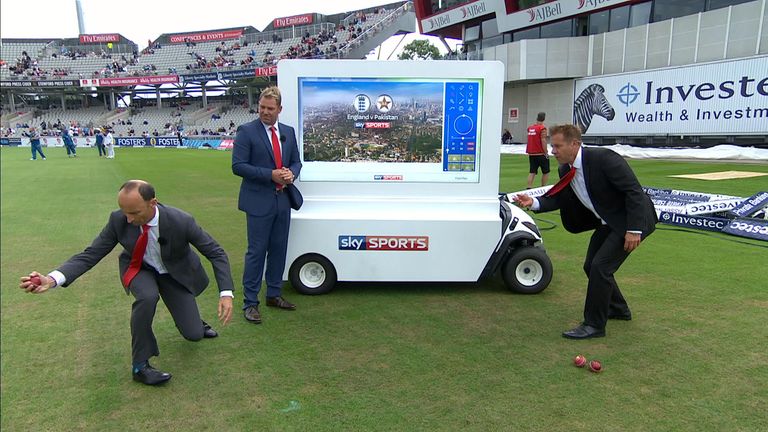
(64,41)
(111,66)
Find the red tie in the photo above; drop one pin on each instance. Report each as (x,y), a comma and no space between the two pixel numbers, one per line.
(277,153)
(564,181)
(276,149)
(137,256)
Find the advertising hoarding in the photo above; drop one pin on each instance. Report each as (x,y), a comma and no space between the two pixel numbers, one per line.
(723,98)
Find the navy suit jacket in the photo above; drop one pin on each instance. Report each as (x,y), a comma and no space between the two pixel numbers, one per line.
(614,191)
(253,160)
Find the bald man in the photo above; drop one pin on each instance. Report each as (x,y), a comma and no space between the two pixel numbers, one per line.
(156,261)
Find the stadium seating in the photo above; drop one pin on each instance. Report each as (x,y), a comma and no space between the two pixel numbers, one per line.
(94,61)
(85,117)
(63,58)
(11,56)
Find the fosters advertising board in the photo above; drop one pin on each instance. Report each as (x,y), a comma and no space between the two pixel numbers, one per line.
(708,99)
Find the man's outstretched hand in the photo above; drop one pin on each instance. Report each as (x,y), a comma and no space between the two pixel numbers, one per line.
(631,241)
(225,310)
(523,200)
(36,283)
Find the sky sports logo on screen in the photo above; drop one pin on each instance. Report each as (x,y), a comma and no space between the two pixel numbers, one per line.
(384,243)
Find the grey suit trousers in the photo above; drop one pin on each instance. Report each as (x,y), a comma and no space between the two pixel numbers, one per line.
(147,288)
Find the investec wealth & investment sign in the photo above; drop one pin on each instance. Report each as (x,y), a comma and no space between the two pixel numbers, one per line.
(716,98)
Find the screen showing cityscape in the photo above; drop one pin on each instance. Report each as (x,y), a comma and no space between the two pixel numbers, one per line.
(388,129)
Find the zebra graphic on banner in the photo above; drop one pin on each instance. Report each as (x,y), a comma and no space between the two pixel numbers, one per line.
(591,101)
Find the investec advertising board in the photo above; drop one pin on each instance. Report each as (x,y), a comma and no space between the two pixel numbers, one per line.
(709,99)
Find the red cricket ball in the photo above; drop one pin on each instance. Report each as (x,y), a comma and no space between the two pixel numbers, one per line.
(595,366)
(579,361)
(36,280)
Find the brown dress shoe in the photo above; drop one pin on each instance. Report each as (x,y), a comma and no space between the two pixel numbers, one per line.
(280,302)
(252,314)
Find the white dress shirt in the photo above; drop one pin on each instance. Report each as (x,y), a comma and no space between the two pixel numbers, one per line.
(269,135)
(152,256)
(579,186)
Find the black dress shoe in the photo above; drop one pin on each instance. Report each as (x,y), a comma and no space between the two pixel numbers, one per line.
(208,332)
(620,316)
(281,303)
(584,332)
(151,376)
(252,314)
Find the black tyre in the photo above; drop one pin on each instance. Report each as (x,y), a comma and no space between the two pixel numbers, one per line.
(312,274)
(528,270)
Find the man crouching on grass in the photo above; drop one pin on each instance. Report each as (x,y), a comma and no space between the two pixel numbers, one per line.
(156,262)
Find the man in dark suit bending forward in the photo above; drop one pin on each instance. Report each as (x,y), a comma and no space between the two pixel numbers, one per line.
(156,261)
(597,191)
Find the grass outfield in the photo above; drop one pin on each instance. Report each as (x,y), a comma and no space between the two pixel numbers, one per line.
(399,357)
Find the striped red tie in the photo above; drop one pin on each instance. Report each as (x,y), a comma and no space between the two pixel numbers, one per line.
(137,257)
(564,181)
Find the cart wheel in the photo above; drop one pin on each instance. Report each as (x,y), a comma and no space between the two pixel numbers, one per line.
(312,274)
(527,270)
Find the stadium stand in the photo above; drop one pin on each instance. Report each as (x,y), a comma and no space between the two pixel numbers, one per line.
(348,35)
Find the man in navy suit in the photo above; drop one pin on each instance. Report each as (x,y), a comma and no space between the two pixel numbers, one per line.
(597,191)
(266,156)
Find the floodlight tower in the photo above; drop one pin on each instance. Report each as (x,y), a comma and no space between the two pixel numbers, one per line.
(80,19)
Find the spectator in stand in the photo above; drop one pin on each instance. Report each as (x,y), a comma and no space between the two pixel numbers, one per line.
(155,132)
(100,143)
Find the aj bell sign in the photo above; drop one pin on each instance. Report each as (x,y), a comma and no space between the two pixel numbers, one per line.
(716,98)
(456,15)
(549,11)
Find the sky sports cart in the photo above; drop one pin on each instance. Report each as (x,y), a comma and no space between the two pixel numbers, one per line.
(400,177)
